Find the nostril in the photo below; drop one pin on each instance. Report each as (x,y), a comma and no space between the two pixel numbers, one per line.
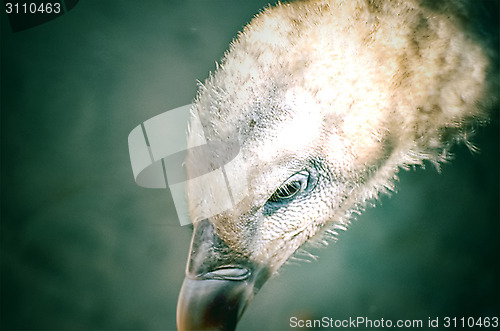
(228,273)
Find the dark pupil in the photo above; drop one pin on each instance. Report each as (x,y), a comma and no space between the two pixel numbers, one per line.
(286,191)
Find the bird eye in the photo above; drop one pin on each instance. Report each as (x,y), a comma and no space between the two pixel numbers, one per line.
(291,187)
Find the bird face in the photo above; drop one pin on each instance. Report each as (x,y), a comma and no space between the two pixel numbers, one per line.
(312,112)
(289,178)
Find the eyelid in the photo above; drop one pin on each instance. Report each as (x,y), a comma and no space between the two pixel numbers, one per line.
(300,178)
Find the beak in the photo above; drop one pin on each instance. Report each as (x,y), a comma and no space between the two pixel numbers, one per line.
(219,283)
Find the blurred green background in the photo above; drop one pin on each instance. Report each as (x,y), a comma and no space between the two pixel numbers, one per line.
(84,248)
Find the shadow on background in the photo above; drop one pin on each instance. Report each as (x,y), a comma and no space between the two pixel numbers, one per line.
(83,247)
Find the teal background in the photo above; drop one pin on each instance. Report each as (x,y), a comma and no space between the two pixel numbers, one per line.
(84,248)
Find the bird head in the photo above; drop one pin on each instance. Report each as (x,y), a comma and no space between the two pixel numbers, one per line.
(310,115)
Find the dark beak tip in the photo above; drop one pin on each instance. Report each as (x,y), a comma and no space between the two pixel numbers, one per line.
(211,304)
(219,283)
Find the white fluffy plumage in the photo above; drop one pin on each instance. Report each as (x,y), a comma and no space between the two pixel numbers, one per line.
(349,91)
